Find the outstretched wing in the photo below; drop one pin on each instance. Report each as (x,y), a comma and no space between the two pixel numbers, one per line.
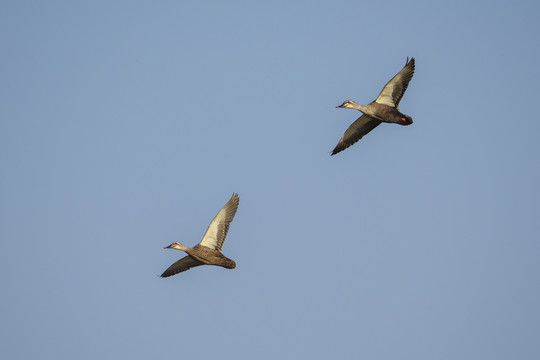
(219,227)
(183,264)
(363,125)
(393,91)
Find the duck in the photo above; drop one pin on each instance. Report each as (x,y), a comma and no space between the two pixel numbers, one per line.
(384,109)
(208,251)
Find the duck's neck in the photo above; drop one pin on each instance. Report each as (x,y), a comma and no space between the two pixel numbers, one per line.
(359,107)
(179,246)
(368,110)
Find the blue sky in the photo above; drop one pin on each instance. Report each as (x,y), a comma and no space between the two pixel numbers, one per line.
(127,125)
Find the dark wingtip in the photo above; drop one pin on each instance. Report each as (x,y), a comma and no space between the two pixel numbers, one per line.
(165,275)
(336,151)
(236,197)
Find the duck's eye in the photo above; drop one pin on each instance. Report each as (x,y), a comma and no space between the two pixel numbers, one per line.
(403,119)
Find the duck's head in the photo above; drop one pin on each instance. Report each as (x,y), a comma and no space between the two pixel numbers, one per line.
(175,245)
(348,104)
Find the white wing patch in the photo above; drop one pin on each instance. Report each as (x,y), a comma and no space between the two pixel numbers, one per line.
(393,91)
(385,97)
(219,227)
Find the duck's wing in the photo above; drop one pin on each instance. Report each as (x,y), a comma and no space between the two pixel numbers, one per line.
(363,125)
(219,227)
(183,264)
(393,91)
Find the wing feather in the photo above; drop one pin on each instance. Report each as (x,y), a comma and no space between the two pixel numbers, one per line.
(183,264)
(363,125)
(393,91)
(219,227)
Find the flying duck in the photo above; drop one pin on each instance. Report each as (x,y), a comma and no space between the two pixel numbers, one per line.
(208,251)
(383,109)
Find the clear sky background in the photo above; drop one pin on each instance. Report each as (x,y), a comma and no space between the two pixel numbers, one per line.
(126,125)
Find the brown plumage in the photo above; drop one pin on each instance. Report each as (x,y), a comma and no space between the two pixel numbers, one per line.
(384,109)
(208,251)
